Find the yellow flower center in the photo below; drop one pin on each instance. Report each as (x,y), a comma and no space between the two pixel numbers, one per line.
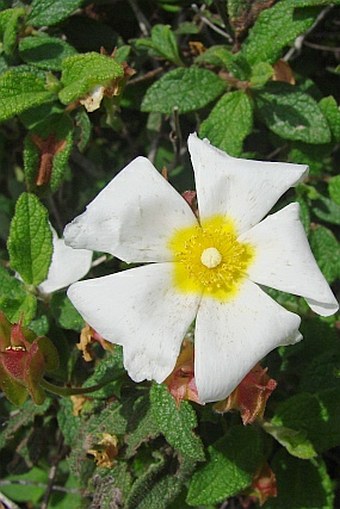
(209,259)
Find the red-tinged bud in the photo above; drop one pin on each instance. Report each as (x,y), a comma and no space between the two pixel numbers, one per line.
(24,358)
(262,487)
(181,383)
(250,396)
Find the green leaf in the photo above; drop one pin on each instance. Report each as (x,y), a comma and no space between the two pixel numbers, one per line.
(108,369)
(218,55)
(65,313)
(294,441)
(22,88)
(30,240)
(330,109)
(260,74)
(320,373)
(45,52)
(15,301)
(155,489)
(334,189)
(291,113)
(300,484)
(9,27)
(326,250)
(141,426)
(28,491)
(327,210)
(84,129)
(185,89)
(176,423)
(232,463)
(81,73)
(276,28)
(315,415)
(230,121)
(317,157)
(50,12)
(18,420)
(163,42)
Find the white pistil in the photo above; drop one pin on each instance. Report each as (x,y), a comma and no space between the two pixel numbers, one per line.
(211,257)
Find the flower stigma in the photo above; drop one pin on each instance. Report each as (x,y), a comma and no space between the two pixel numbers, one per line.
(209,259)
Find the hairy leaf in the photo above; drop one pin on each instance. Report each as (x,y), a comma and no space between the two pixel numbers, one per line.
(292,114)
(231,465)
(176,423)
(326,250)
(21,88)
(30,240)
(229,122)
(81,73)
(50,12)
(15,301)
(185,89)
(45,52)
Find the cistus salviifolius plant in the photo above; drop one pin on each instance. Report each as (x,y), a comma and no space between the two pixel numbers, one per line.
(182,158)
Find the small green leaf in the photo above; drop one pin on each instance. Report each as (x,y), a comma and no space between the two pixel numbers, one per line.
(30,490)
(50,12)
(334,189)
(260,74)
(15,301)
(81,73)
(65,313)
(22,88)
(331,111)
(141,427)
(301,484)
(157,489)
(19,420)
(326,250)
(292,114)
(229,122)
(176,423)
(276,28)
(232,463)
(163,43)
(327,210)
(9,27)
(30,240)
(83,129)
(45,52)
(294,441)
(218,55)
(185,89)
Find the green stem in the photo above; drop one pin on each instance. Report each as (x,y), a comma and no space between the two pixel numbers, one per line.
(69,391)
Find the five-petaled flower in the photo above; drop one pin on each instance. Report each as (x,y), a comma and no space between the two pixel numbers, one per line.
(212,269)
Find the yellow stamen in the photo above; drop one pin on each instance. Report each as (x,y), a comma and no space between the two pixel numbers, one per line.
(209,259)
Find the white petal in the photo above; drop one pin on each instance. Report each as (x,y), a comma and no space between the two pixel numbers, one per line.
(139,309)
(284,260)
(133,216)
(243,189)
(231,337)
(67,266)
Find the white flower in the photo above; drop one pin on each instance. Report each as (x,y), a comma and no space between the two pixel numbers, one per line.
(209,270)
(67,266)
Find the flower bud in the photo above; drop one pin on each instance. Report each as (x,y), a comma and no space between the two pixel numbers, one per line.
(24,358)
